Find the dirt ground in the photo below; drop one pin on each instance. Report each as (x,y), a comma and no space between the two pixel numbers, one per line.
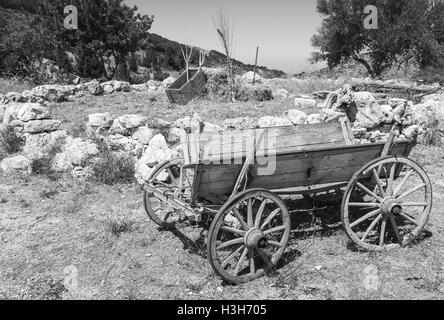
(64,239)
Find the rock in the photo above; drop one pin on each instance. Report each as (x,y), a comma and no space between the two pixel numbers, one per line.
(359,133)
(82,173)
(38,126)
(296,116)
(122,86)
(411,133)
(368,111)
(193,123)
(281,94)
(139,87)
(124,124)
(268,122)
(16,163)
(103,120)
(240,123)
(387,111)
(314,118)
(78,150)
(429,114)
(95,88)
(143,135)
(249,76)
(33,111)
(329,115)
(395,102)
(121,143)
(61,162)
(13,96)
(52,93)
(176,135)
(108,88)
(168,81)
(42,145)
(433,98)
(304,103)
(210,127)
(156,153)
(11,113)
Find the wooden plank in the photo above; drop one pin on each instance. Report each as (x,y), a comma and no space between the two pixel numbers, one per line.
(219,146)
(330,166)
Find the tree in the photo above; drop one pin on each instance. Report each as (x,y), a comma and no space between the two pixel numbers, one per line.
(106,29)
(406,28)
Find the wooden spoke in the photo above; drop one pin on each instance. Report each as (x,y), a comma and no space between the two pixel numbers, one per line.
(229,243)
(269,218)
(409,218)
(364,204)
(395,229)
(250,213)
(378,181)
(413,204)
(274,243)
(403,182)
(252,265)
(382,234)
(411,191)
(363,218)
(170,173)
(370,193)
(272,230)
(259,214)
(370,228)
(233,230)
(231,256)
(241,261)
(240,219)
(391,180)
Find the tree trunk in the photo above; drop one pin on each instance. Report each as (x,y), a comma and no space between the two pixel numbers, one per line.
(365,64)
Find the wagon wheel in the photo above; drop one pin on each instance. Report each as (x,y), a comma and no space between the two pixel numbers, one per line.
(248,236)
(389,210)
(170,178)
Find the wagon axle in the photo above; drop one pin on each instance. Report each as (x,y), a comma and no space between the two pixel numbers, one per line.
(390,207)
(255,239)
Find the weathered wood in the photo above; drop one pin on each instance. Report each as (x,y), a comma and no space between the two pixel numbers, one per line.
(300,169)
(231,147)
(189,85)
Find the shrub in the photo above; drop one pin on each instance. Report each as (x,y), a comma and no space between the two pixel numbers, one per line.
(111,168)
(10,142)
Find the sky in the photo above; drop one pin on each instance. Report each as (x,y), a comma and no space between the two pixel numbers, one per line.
(281,28)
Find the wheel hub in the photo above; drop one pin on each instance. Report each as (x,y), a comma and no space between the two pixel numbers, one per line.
(255,239)
(390,207)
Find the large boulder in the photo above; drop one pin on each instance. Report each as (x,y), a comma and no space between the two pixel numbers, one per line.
(296,116)
(52,93)
(122,143)
(33,111)
(281,94)
(144,135)
(368,112)
(268,122)
(38,126)
(211,127)
(78,150)
(124,124)
(39,146)
(156,153)
(168,81)
(429,114)
(16,163)
(101,120)
(240,123)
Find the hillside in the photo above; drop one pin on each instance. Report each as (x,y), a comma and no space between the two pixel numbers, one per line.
(169,51)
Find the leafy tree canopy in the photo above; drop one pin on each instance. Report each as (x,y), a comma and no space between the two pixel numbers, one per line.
(406,28)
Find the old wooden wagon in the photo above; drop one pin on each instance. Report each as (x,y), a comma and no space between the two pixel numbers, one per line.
(240,181)
(190,84)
